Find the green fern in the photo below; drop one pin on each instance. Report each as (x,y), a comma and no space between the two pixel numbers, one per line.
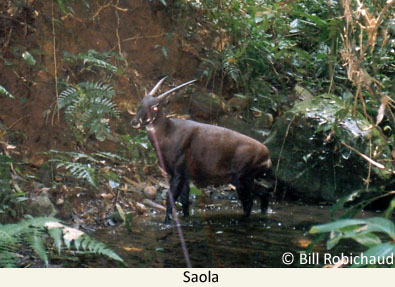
(88,107)
(87,167)
(81,171)
(35,232)
(110,156)
(4,92)
(93,58)
(10,199)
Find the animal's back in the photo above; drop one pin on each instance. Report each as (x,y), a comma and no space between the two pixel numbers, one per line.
(215,154)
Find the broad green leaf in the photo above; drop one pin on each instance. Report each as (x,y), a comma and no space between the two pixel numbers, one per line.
(121,212)
(367,239)
(61,6)
(381,224)
(349,197)
(336,225)
(332,242)
(195,191)
(4,92)
(29,58)
(164,52)
(390,208)
(376,224)
(381,250)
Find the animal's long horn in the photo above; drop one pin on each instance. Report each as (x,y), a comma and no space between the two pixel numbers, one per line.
(162,96)
(155,89)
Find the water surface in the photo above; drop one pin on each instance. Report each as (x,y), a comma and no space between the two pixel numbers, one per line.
(216,237)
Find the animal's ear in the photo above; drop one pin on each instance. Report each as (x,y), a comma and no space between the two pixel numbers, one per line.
(157,86)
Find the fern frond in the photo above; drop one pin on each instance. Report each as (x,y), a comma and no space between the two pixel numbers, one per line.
(95,59)
(87,106)
(80,171)
(56,234)
(96,247)
(84,166)
(110,156)
(100,63)
(36,240)
(67,96)
(35,231)
(97,90)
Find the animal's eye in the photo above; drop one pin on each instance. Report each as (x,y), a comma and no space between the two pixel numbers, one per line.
(155,108)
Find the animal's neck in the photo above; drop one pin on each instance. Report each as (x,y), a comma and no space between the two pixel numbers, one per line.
(159,128)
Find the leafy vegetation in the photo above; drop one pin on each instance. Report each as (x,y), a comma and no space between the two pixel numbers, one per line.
(34,233)
(364,232)
(4,92)
(265,51)
(11,198)
(86,167)
(93,59)
(333,63)
(88,107)
(324,68)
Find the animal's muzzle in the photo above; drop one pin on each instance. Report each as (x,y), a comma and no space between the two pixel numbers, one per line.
(136,123)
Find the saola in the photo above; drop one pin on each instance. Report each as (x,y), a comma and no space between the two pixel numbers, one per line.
(205,154)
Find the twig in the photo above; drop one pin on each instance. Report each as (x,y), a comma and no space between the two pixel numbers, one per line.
(370,165)
(117,32)
(101,8)
(17,121)
(281,151)
(143,37)
(56,110)
(375,163)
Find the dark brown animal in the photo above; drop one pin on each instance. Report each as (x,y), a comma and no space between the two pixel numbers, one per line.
(203,153)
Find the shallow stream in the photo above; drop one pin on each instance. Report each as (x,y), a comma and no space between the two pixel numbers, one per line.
(216,237)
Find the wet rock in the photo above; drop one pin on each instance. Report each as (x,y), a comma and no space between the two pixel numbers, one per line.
(137,195)
(37,161)
(313,162)
(203,106)
(140,208)
(238,125)
(265,121)
(154,205)
(136,191)
(150,191)
(42,206)
(238,103)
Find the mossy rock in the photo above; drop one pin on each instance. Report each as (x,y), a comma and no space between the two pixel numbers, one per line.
(313,160)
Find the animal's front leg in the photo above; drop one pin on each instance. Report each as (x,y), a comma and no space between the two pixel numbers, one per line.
(176,186)
(185,198)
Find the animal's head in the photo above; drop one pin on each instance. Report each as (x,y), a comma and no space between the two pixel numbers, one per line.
(151,106)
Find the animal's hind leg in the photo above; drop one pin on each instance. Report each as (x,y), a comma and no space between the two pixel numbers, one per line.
(243,190)
(263,196)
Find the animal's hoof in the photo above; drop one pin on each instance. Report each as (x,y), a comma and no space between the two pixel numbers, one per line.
(167,220)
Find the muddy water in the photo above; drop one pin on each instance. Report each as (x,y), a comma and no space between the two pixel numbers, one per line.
(216,237)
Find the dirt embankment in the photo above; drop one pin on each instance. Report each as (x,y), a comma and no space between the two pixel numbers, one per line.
(143,32)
